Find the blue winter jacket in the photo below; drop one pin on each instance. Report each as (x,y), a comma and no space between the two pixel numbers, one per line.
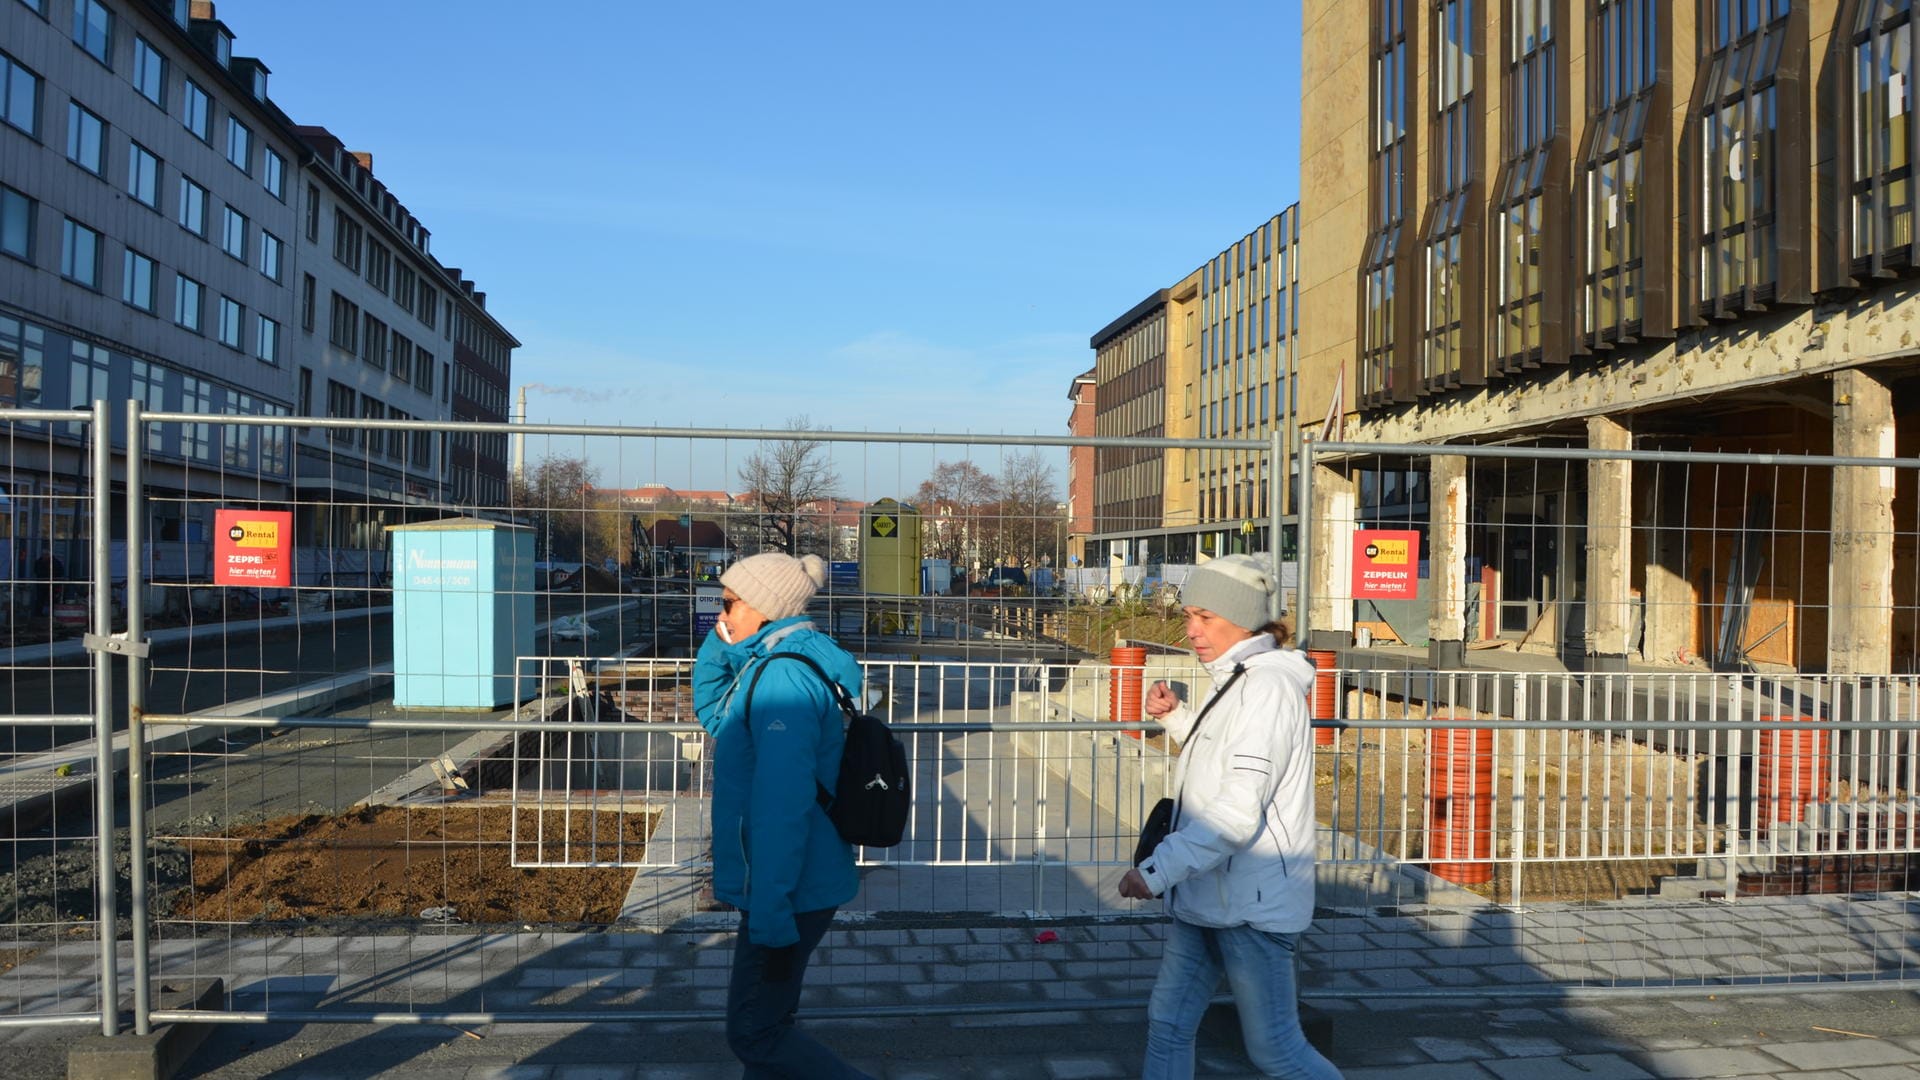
(775,851)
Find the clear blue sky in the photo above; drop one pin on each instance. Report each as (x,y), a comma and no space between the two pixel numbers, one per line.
(886,216)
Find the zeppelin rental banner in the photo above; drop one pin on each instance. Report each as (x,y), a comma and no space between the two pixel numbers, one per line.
(1386,564)
(253,547)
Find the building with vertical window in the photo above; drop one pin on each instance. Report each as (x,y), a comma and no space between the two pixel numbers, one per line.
(1211,357)
(376,342)
(145,207)
(1622,224)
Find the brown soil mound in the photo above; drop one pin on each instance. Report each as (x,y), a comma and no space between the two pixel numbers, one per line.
(396,862)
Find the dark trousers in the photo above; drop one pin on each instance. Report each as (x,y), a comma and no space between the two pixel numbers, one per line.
(760,1028)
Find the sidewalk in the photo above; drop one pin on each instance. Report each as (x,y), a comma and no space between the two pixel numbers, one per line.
(1491,995)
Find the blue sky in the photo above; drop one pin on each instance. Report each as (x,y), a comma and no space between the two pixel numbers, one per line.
(885,216)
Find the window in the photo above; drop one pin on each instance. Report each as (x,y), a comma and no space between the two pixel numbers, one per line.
(270,248)
(93,29)
(379,265)
(429,303)
(266,340)
(373,343)
(402,353)
(80,254)
(187,302)
(136,281)
(273,174)
(19,95)
(1614,265)
(373,439)
(232,318)
(346,240)
(1741,140)
(143,176)
(1381,330)
(239,145)
(1449,340)
(1882,189)
(423,371)
(346,324)
(308,288)
(196,396)
(1527,287)
(196,111)
(193,207)
(16,224)
(86,138)
(306,391)
(313,213)
(149,72)
(233,233)
(340,404)
(237,439)
(403,279)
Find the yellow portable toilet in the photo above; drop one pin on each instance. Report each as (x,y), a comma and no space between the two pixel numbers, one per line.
(890,549)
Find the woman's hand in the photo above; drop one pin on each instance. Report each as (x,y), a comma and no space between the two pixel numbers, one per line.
(1134,887)
(1160,701)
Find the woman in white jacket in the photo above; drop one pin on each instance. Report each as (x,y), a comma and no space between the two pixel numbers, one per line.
(1237,867)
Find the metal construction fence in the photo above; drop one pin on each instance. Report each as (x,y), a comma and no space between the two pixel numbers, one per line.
(292,813)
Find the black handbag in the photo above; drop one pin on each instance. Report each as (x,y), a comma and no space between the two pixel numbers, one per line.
(1160,819)
(1159,824)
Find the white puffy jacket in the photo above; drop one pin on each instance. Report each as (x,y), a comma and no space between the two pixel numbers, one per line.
(1241,851)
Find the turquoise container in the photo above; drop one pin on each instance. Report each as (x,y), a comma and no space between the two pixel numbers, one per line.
(462,611)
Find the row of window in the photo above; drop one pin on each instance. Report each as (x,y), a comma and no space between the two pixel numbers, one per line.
(81,262)
(32,376)
(411,447)
(373,341)
(361,253)
(1747,133)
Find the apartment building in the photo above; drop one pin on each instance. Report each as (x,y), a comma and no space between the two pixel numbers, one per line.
(146,224)
(1619,224)
(374,345)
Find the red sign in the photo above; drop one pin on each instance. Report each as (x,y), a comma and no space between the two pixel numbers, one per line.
(1386,564)
(253,547)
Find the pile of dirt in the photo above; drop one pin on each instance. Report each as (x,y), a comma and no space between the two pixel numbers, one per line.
(450,863)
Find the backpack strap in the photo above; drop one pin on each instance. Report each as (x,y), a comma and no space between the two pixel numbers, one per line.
(835,691)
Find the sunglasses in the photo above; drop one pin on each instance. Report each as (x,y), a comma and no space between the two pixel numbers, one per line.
(727,602)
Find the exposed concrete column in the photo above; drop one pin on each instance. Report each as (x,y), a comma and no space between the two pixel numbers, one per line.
(1447,566)
(1669,608)
(1860,582)
(1330,607)
(1609,584)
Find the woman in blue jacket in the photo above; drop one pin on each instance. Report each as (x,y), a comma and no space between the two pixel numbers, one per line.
(776,855)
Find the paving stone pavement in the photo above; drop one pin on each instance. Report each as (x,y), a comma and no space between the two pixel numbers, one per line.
(1595,992)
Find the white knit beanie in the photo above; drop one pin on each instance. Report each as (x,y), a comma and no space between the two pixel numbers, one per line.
(1238,588)
(775,584)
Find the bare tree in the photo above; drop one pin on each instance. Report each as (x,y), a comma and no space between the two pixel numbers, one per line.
(557,496)
(782,477)
(956,503)
(1029,516)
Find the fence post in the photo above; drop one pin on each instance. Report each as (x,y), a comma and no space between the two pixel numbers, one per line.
(1302,589)
(1276,457)
(137,833)
(104,907)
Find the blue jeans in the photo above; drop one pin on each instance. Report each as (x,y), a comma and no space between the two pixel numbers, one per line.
(1259,969)
(760,1029)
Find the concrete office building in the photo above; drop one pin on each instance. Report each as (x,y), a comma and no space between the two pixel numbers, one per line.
(1626,224)
(146,224)
(1210,357)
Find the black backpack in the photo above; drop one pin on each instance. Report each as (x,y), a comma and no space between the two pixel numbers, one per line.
(873,796)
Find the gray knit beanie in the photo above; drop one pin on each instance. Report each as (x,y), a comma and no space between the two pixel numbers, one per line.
(774,584)
(1238,588)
